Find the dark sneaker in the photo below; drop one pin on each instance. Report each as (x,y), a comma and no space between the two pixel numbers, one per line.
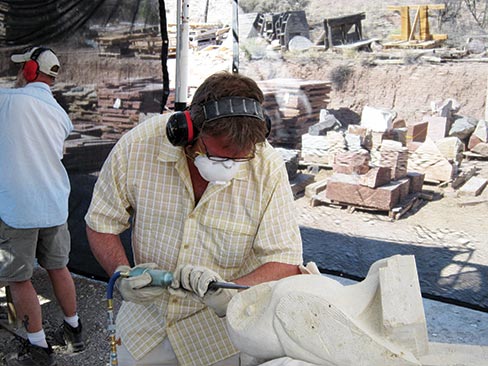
(31,356)
(72,337)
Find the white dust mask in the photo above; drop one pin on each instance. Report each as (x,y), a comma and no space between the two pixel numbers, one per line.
(218,172)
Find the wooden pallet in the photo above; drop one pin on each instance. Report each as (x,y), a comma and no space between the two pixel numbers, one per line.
(410,202)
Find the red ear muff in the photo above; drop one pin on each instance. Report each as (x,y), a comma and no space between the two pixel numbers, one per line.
(30,70)
(180,129)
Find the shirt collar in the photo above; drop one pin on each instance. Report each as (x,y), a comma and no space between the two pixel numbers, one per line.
(38,85)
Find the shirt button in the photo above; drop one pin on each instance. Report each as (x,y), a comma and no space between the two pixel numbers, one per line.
(174,300)
(186,246)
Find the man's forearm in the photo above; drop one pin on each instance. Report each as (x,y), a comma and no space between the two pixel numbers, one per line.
(268,272)
(107,249)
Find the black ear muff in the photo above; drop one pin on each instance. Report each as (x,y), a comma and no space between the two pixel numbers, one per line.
(30,70)
(180,129)
(267,120)
(236,106)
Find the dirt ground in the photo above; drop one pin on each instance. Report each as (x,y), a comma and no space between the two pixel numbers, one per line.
(447,235)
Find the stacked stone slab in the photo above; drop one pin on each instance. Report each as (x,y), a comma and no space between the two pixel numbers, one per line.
(121,101)
(322,149)
(355,182)
(80,102)
(394,156)
(293,105)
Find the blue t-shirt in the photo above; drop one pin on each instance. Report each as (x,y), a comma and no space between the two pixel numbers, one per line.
(34,185)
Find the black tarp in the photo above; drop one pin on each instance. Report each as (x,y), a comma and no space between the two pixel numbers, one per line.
(38,21)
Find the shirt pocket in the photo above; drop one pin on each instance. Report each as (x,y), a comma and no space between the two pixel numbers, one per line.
(229,241)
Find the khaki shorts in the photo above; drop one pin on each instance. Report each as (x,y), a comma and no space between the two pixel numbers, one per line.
(20,247)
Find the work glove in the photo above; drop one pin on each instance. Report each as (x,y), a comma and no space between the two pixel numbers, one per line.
(310,268)
(136,289)
(194,280)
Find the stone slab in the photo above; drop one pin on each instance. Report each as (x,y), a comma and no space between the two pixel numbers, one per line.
(473,187)
(346,189)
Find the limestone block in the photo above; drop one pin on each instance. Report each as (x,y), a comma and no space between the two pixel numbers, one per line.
(401,304)
(481,130)
(353,142)
(481,148)
(480,134)
(451,148)
(365,137)
(473,187)
(438,127)
(326,122)
(376,139)
(429,160)
(321,149)
(315,149)
(315,188)
(377,120)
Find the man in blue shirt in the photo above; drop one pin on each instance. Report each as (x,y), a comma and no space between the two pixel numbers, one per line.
(34,191)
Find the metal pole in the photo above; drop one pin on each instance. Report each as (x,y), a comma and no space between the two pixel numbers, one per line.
(235,36)
(182,48)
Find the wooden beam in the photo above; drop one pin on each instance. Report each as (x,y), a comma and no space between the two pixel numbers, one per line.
(430,7)
(414,25)
(424,23)
(406,28)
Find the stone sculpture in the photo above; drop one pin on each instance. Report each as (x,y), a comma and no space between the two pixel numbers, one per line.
(314,320)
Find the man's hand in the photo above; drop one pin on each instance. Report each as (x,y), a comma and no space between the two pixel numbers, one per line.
(137,288)
(195,280)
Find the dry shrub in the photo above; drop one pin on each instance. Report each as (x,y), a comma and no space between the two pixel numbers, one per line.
(340,75)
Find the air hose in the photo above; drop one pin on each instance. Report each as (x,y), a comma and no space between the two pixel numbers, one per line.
(159,278)
(111,319)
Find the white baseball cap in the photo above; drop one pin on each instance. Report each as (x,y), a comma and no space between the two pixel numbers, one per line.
(45,57)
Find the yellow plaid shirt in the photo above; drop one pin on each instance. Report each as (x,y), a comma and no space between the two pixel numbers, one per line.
(233,230)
